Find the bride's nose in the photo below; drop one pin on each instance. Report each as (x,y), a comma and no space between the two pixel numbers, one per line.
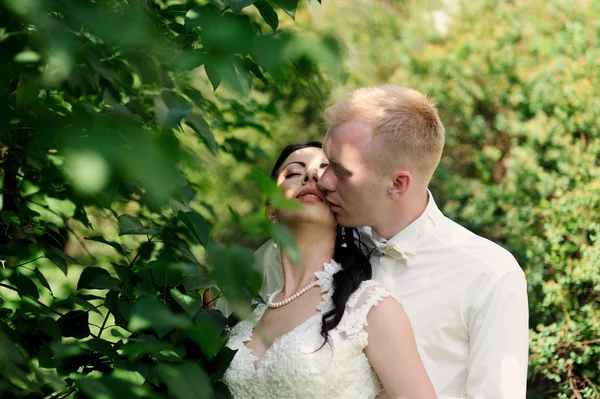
(311,174)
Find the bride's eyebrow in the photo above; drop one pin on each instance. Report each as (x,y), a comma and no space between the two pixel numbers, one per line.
(298,162)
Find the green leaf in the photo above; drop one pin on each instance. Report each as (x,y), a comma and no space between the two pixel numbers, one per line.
(126,276)
(149,312)
(131,225)
(213,71)
(96,278)
(201,127)
(255,69)
(26,286)
(170,109)
(185,381)
(123,250)
(197,224)
(164,275)
(75,324)
(238,5)
(27,57)
(288,6)
(42,279)
(207,338)
(9,351)
(50,327)
(284,237)
(77,299)
(58,261)
(268,14)
(212,317)
(63,255)
(189,304)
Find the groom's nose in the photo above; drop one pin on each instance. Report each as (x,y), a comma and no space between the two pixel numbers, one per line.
(327,180)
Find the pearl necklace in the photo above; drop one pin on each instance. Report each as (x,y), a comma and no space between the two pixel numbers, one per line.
(279,304)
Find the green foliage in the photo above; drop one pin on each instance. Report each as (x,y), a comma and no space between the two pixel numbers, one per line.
(107,116)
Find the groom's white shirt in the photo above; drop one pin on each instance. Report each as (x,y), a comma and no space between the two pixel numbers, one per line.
(466,298)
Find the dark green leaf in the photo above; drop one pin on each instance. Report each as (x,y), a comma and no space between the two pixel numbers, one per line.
(9,351)
(238,5)
(212,317)
(131,225)
(170,109)
(42,279)
(58,261)
(185,381)
(148,312)
(77,299)
(268,14)
(164,275)
(126,276)
(197,224)
(289,6)
(222,361)
(26,286)
(221,391)
(63,255)
(213,71)
(50,327)
(199,125)
(96,278)
(123,250)
(207,338)
(75,324)
(255,69)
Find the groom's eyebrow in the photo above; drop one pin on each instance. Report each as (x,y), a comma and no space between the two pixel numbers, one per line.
(338,167)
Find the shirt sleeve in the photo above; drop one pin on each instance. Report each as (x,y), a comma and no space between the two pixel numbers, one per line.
(499,340)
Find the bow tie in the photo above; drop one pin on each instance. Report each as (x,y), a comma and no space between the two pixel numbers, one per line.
(385,248)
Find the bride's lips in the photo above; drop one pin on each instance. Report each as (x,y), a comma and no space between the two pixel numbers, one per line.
(310,195)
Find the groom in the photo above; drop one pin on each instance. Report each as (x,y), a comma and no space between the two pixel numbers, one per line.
(466,297)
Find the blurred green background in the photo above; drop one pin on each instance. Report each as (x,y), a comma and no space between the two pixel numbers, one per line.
(133,136)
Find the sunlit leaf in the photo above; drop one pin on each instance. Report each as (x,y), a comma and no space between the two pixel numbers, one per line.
(197,225)
(199,125)
(131,225)
(42,279)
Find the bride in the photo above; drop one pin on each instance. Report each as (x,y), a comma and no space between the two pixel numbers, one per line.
(329,332)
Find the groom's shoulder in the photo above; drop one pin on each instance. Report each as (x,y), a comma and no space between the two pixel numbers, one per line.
(474,250)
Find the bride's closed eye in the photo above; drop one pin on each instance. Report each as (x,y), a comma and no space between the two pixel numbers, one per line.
(290,174)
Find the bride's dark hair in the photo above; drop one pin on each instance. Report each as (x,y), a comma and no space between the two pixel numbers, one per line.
(349,252)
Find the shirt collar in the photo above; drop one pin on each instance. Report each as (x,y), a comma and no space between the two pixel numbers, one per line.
(408,240)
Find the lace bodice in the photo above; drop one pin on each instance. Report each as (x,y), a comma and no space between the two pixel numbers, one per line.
(293,367)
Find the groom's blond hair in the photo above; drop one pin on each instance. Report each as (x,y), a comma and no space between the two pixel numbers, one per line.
(406,127)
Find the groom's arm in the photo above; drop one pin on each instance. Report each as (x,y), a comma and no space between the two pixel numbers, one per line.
(499,337)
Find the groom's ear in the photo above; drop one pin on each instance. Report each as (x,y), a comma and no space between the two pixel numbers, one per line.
(401,180)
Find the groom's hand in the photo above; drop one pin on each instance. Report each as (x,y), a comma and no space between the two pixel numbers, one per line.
(207,300)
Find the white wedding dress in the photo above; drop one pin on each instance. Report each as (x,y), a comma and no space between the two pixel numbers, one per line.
(295,367)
